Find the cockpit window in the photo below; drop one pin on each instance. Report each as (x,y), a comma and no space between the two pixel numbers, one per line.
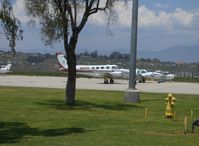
(143,71)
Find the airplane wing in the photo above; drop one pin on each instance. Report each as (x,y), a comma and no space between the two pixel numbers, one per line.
(114,74)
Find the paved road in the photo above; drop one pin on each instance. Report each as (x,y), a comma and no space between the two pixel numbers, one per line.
(84,83)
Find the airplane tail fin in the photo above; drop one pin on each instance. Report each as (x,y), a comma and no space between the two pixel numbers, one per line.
(62,61)
(8,66)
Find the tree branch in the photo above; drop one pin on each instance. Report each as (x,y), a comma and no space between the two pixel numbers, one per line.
(88,7)
(58,3)
(97,8)
(72,19)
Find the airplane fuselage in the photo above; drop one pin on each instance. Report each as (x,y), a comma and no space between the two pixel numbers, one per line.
(96,70)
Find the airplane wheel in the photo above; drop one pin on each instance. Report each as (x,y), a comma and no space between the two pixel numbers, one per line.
(111,81)
(105,81)
(143,80)
(139,78)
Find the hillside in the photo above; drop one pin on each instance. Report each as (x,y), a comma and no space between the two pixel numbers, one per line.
(176,53)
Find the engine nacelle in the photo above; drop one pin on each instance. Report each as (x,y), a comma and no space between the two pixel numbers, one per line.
(116,74)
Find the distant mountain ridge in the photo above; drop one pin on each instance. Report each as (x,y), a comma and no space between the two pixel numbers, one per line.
(175,53)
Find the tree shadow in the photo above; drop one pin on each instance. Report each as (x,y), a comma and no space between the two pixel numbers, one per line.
(62,131)
(13,132)
(85,105)
(119,83)
(151,100)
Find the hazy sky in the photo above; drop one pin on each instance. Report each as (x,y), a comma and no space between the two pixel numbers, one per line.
(162,24)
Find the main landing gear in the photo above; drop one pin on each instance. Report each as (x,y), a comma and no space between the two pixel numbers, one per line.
(140,79)
(106,81)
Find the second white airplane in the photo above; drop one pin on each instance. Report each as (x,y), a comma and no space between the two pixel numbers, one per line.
(157,76)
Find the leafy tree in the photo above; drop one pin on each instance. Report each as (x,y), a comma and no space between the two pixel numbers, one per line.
(115,55)
(10,25)
(64,20)
(94,54)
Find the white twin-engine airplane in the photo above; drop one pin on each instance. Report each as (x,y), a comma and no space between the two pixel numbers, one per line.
(5,69)
(111,72)
(108,72)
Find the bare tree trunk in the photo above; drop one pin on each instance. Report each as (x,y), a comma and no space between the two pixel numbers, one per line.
(71,60)
(71,83)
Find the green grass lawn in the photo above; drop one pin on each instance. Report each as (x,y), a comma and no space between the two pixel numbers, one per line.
(38,117)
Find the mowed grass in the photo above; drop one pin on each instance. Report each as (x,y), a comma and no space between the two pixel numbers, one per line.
(38,117)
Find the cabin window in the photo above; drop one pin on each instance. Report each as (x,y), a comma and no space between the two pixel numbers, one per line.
(93,67)
(113,67)
(97,67)
(102,67)
(107,67)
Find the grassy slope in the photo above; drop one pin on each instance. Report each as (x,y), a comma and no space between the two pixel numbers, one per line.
(33,116)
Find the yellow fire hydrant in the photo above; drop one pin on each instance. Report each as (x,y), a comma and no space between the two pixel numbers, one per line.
(170,102)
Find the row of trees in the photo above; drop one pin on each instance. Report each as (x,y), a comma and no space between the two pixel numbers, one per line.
(113,55)
(59,20)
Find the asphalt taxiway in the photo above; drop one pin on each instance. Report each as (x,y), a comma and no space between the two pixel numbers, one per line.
(97,84)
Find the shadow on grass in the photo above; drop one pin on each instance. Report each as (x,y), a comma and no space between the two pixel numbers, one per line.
(85,105)
(152,100)
(13,132)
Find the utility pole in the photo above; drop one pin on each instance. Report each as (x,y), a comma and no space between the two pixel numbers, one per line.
(132,94)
